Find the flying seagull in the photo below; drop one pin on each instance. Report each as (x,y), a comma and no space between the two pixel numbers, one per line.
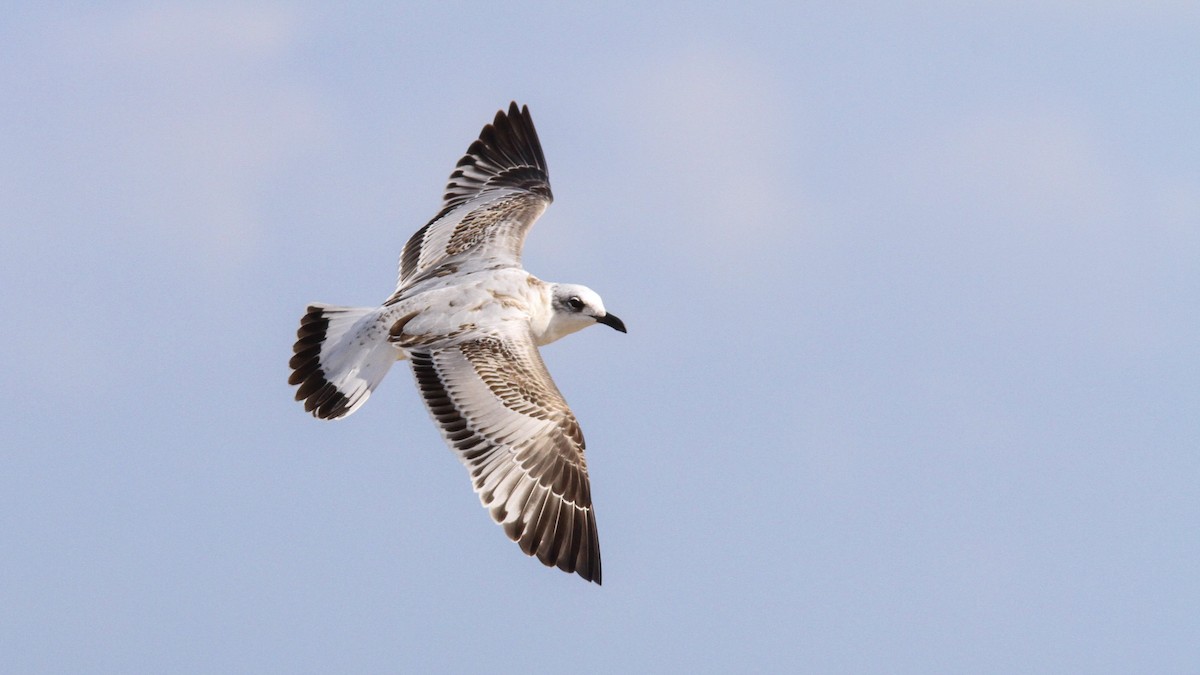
(470,320)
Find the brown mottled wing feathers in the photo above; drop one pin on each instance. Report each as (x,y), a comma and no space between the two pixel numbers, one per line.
(497,407)
(506,162)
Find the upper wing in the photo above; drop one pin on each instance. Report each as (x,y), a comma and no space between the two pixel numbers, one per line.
(500,412)
(498,189)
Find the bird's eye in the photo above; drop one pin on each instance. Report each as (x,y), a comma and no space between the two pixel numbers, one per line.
(575,303)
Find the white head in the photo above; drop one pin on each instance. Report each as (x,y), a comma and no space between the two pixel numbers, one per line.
(576,307)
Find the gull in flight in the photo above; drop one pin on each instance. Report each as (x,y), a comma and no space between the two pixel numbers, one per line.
(470,320)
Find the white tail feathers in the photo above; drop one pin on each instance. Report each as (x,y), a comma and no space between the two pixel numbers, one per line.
(340,356)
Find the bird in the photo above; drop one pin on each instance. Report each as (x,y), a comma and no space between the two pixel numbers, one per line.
(469,320)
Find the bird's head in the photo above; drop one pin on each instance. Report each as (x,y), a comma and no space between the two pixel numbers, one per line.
(577,307)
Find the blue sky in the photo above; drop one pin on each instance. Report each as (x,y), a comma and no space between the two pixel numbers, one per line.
(910,383)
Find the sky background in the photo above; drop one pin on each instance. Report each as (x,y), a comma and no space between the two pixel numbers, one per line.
(911,384)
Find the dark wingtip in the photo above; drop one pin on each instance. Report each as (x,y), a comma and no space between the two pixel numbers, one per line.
(591,575)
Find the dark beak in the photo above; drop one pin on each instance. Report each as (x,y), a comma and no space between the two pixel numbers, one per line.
(612,321)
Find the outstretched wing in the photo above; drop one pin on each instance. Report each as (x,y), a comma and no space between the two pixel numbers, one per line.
(498,409)
(496,192)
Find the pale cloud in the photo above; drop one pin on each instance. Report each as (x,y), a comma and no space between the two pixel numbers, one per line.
(140,147)
(1100,10)
(1043,180)
(181,113)
(229,32)
(1034,170)
(1042,215)
(718,141)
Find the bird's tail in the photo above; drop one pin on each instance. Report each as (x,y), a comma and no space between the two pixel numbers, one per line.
(340,356)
